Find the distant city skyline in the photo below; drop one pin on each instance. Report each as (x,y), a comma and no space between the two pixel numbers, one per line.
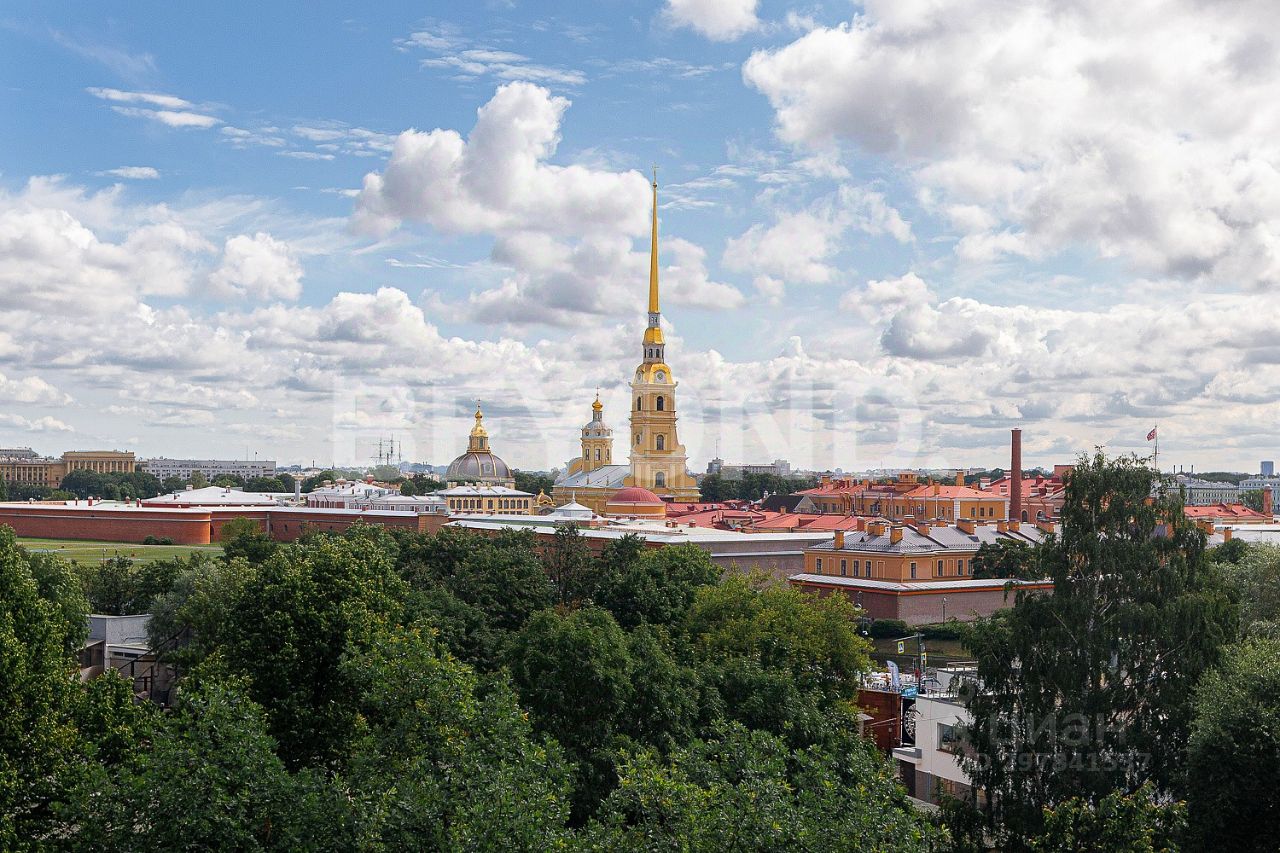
(890,232)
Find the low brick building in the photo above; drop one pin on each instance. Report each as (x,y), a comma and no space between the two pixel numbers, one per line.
(923,602)
(112,522)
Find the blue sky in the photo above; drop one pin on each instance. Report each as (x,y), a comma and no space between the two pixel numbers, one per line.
(890,232)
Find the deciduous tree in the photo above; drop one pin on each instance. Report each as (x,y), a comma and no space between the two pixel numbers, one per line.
(1088,689)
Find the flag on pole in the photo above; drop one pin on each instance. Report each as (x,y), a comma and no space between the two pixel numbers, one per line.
(1151,436)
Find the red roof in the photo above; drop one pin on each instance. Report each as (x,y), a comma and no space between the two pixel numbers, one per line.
(1030,486)
(1220,510)
(635,495)
(940,491)
(835,522)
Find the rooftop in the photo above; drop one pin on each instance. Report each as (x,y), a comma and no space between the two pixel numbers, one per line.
(940,538)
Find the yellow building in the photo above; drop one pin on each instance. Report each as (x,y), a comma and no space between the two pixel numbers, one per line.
(917,551)
(657,458)
(101,461)
(904,498)
(24,467)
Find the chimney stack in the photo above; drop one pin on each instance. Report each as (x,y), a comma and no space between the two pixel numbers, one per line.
(895,534)
(1015,476)
(1268,505)
(839,542)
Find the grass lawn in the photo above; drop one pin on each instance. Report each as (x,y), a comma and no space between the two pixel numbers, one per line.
(85,551)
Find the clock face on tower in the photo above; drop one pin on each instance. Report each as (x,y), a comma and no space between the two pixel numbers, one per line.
(660,376)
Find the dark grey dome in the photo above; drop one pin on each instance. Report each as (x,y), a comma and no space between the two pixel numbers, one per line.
(477,466)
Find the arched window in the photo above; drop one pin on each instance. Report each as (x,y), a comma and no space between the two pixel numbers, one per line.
(638,406)
(1024,515)
(662,404)
(637,439)
(660,442)
(659,479)
(597,454)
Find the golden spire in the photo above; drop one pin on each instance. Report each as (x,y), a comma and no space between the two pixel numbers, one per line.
(653,250)
(479,435)
(597,405)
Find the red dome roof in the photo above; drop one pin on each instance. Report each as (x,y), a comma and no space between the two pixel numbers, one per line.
(635,495)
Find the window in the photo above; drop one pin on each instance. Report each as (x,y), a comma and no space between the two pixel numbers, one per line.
(661,441)
(638,406)
(940,571)
(960,567)
(844,568)
(818,565)
(913,570)
(662,403)
(867,568)
(659,479)
(637,439)
(597,454)
(948,739)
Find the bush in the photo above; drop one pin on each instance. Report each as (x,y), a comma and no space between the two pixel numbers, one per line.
(951,630)
(157,540)
(887,629)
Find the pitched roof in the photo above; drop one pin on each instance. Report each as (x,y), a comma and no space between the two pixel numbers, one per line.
(1225,510)
(604,477)
(939,539)
(941,491)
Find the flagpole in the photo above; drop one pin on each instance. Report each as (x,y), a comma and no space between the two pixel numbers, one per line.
(1156,430)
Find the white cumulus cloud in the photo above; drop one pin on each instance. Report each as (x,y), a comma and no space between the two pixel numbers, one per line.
(719,20)
(260,267)
(1146,133)
(498,179)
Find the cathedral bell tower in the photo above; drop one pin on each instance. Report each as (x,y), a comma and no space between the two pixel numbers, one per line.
(658,460)
(597,439)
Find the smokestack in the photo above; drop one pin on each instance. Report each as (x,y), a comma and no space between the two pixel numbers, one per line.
(1268,505)
(1015,476)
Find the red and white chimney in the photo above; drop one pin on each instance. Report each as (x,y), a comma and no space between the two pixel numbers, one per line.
(1015,476)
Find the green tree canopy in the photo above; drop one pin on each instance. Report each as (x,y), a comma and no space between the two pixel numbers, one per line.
(39,744)
(1256,577)
(1005,559)
(310,484)
(266,484)
(1134,823)
(1088,689)
(210,780)
(655,586)
(1234,751)
(533,481)
(747,791)
(305,610)
(245,537)
(444,765)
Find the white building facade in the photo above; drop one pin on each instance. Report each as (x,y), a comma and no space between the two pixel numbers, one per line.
(210,468)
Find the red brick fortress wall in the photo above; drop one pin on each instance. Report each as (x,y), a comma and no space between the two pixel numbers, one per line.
(51,521)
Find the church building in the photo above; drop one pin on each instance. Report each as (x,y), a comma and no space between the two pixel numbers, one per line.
(658,469)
